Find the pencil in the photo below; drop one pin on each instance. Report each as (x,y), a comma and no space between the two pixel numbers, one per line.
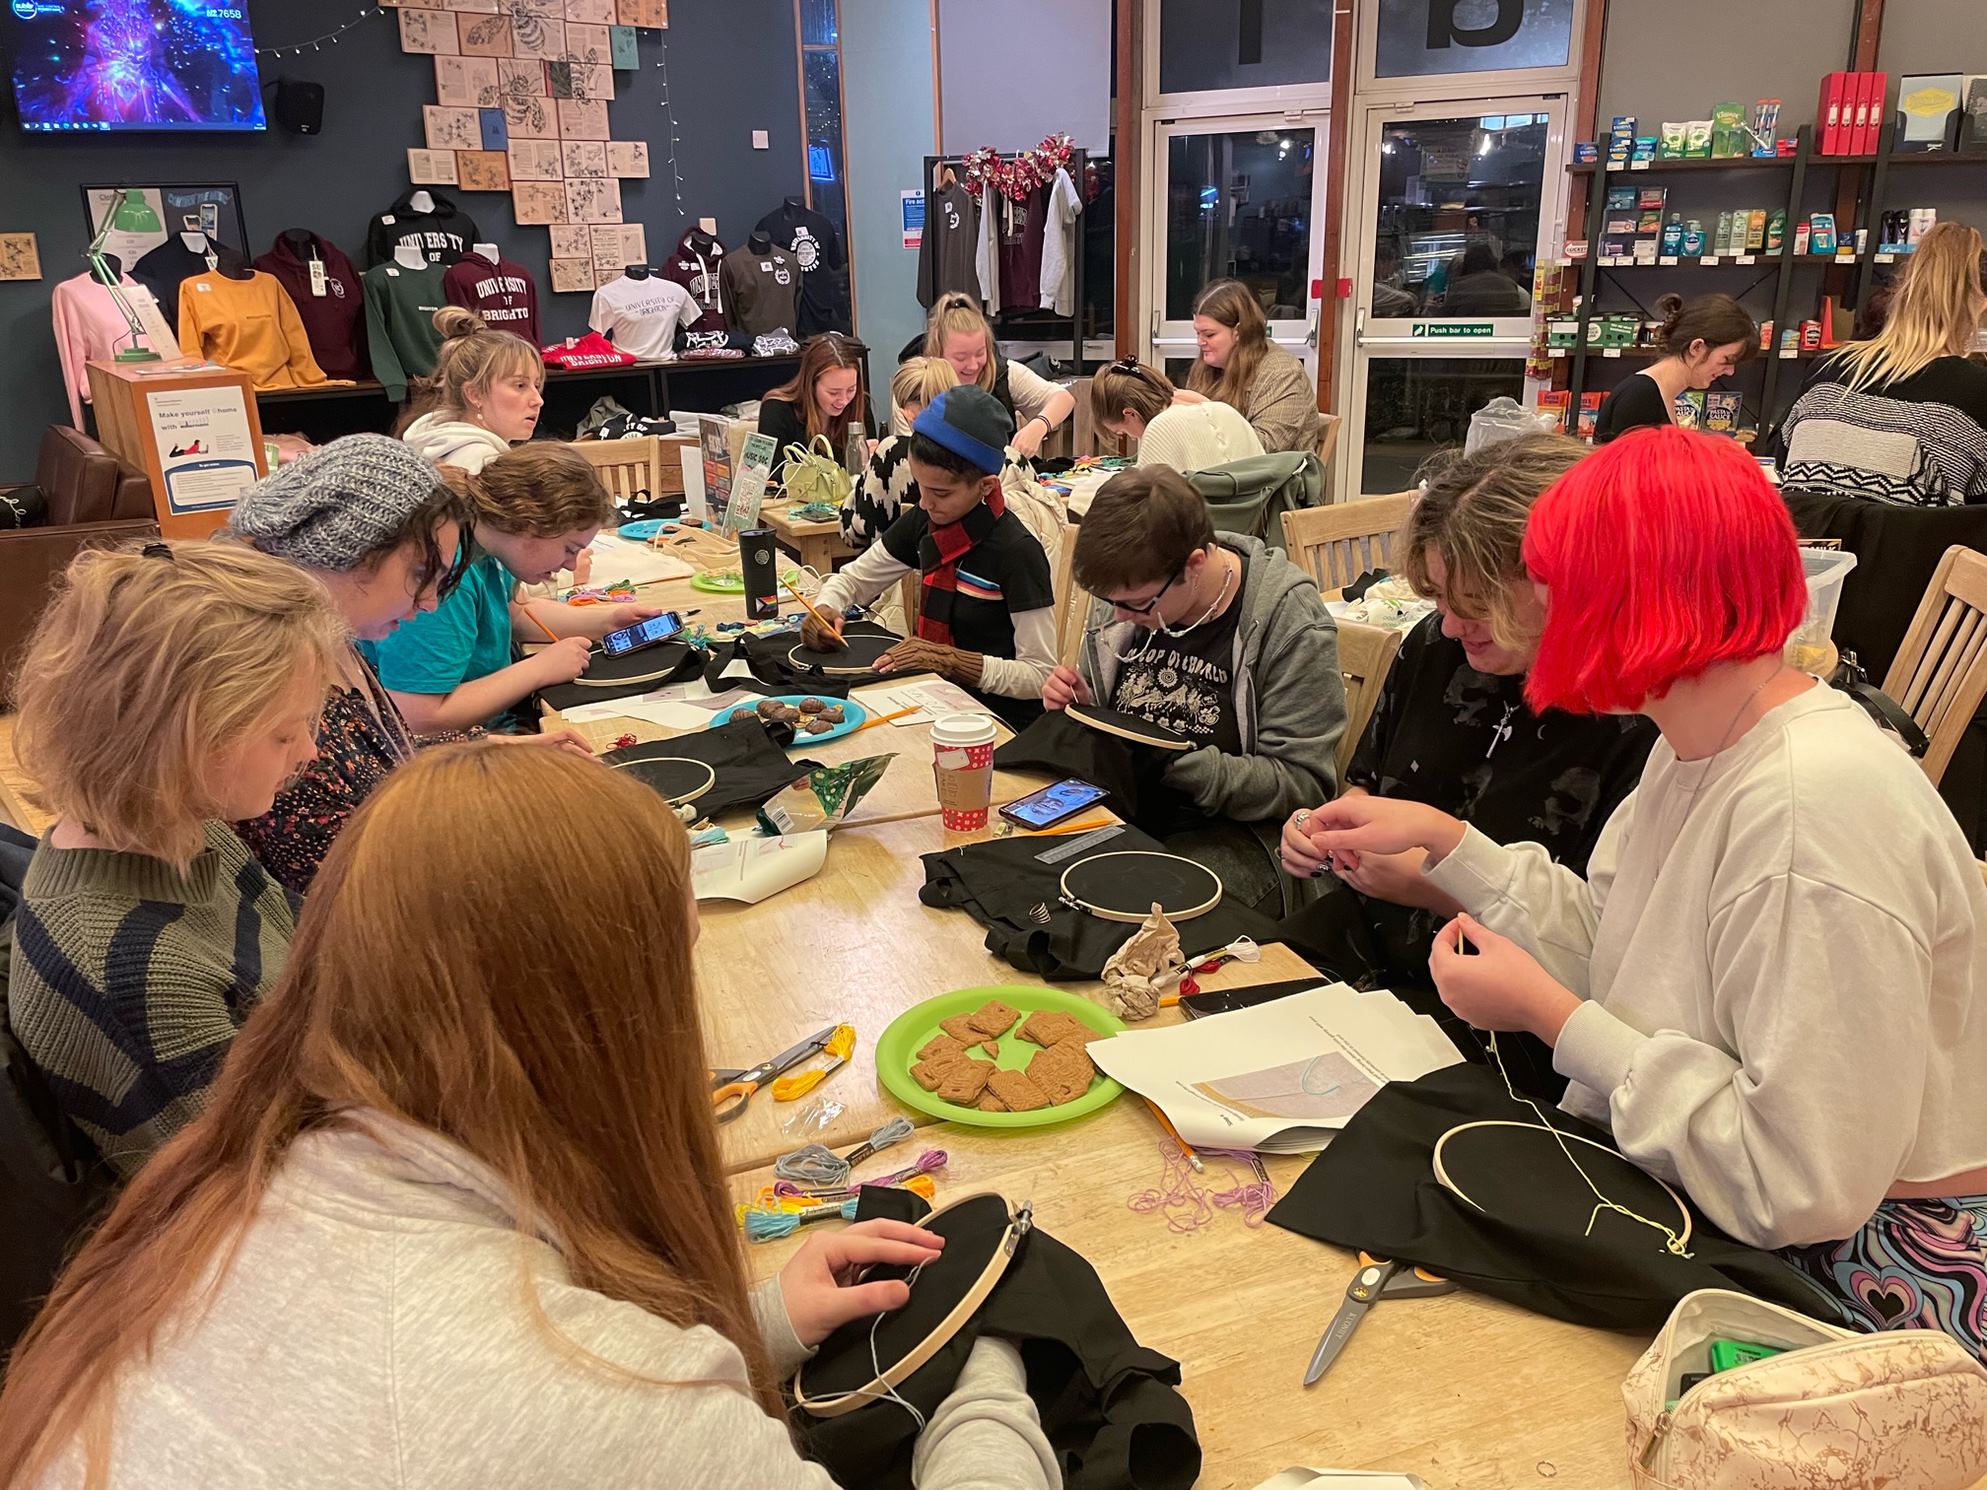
(818,614)
(1174,1133)
(885,719)
(550,635)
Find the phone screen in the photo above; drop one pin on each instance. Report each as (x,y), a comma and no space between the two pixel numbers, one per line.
(642,634)
(1052,804)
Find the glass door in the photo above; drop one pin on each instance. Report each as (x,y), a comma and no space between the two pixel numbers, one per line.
(1458,202)
(1237,198)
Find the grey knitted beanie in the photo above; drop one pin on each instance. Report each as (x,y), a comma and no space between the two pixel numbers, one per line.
(337,505)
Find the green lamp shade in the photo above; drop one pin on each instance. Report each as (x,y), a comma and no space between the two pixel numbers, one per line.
(133,214)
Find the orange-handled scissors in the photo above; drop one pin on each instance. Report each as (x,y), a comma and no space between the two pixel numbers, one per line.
(731,1089)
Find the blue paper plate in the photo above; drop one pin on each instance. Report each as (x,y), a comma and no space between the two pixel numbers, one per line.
(856,717)
(642,531)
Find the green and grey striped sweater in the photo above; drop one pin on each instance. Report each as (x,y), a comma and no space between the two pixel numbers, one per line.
(129,980)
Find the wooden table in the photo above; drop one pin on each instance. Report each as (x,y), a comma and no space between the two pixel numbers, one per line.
(1469,1393)
(855,945)
(816,544)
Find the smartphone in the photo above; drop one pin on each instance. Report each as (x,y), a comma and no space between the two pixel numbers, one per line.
(1053,804)
(642,634)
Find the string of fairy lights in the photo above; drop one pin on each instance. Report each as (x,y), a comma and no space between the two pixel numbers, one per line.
(319,43)
(669,115)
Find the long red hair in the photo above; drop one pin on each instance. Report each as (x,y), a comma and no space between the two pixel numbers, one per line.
(1663,553)
(467,962)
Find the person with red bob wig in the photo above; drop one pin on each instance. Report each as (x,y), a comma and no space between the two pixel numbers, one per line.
(1770,982)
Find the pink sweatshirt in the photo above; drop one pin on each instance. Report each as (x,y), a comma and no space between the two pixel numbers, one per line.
(89,325)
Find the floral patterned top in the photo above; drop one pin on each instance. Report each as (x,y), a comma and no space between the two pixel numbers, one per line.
(360,739)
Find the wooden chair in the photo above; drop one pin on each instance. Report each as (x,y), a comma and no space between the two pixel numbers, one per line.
(1329,425)
(1940,675)
(1364,655)
(1343,540)
(627,467)
(1072,603)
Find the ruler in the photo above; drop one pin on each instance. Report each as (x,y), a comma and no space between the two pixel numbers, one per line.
(1077,846)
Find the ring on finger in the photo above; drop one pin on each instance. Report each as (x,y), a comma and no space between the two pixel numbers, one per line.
(1301,817)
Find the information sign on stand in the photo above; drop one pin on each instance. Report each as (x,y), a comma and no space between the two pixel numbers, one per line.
(191,427)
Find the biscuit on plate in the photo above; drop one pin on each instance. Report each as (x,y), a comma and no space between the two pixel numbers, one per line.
(990,1103)
(961,1028)
(928,1074)
(963,1082)
(1020,1091)
(993,1018)
(941,1048)
(1063,1071)
(1046,1026)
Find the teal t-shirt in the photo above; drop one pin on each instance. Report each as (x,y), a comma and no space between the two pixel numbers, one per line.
(468,636)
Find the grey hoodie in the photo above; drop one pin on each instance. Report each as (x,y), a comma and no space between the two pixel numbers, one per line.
(454,442)
(1289,695)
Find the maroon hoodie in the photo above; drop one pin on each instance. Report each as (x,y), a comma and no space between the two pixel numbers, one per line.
(501,293)
(334,322)
(694,266)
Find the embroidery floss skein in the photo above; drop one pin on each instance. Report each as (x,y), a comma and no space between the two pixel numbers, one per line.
(929,1163)
(816,1164)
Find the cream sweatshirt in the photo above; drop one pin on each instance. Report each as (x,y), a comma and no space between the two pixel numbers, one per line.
(454,442)
(373,1333)
(1782,957)
(1197,437)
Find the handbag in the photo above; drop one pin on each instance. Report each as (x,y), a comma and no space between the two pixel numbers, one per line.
(812,477)
(1905,1409)
(1888,713)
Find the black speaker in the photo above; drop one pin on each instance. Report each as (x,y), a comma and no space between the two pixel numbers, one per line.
(759,563)
(300,106)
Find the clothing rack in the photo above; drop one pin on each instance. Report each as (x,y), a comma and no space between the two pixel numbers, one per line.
(1079,161)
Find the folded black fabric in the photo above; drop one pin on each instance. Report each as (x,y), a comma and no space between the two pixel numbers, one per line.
(998,883)
(1129,772)
(1525,1241)
(625,677)
(749,766)
(1110,1407)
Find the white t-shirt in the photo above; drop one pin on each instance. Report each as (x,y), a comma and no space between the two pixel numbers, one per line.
(642,315)
(1198,437)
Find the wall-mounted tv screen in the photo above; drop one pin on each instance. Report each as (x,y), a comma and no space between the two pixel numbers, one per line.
(101,65)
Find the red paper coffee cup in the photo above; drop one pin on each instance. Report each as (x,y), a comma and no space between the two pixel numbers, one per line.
(962,769)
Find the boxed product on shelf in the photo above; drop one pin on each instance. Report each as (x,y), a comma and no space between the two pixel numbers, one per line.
(1756,230)
(1721,412)
(1928,117)
(1669,144)
(1652,198)
(1620,330)
(1562,331)
(1973,117)
(1576,250)
(1585,152)
(1645,250)
(1697,139)
(1765,119)
(1590,413)
(1644,149)
(1728,134)
(1554,405)
(1688,409)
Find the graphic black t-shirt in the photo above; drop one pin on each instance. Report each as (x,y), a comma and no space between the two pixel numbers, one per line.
(1467,742)
(1006,573)
(1187,683)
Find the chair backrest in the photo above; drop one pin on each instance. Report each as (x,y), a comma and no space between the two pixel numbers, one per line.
(626,467)
(1940,675)
(1328,428)
(1338,543)
(1364,655)
(1072,604)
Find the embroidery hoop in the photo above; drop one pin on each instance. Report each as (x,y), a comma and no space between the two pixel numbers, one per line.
(882,1387)
(645,666)
(1448,1182)
(1128,727)
(704,783)
(1137,916)
(859,660)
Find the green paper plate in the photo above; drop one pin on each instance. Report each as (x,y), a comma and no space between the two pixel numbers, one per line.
(897,1051)
(728,581)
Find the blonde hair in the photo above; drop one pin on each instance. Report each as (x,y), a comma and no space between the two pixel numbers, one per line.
(1133,385)
(1234,305)
(542,489)
(959,314)
(1935,312)
(148,665)
(422,984)
(1472,514)
(919,380)
(473,359)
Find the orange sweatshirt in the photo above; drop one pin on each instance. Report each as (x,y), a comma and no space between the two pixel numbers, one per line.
(250,325)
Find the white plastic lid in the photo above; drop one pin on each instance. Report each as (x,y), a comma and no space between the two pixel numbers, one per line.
(963,729)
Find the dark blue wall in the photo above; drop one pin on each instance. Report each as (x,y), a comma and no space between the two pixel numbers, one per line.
(731,65)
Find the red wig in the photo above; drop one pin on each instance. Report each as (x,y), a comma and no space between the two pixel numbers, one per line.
(1664,554)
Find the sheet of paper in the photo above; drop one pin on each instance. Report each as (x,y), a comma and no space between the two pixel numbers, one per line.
(1282,1077)
(930,699)
(618,558)
(750,869)
(738,667)
(681,706)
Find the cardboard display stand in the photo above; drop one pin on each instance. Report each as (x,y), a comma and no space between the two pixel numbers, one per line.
(192,429)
